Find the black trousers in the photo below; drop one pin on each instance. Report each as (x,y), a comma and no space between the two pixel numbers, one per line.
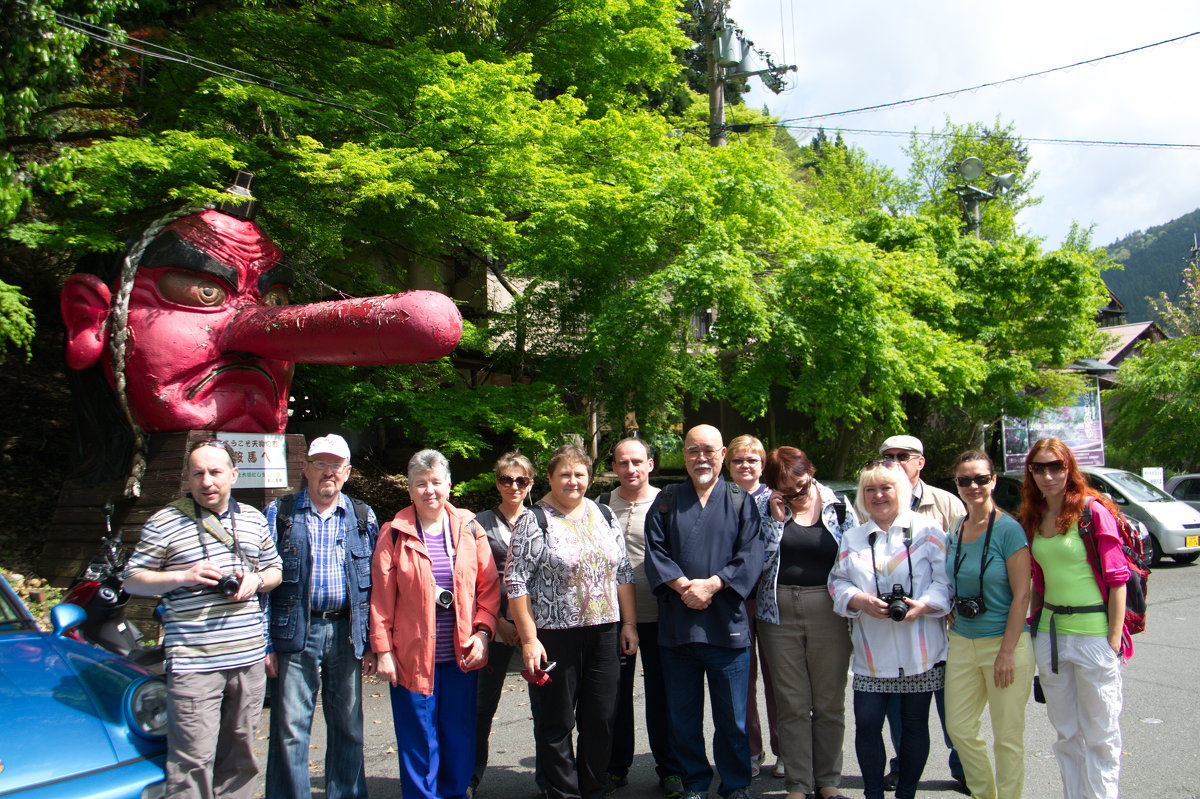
(657,722)
(582,694)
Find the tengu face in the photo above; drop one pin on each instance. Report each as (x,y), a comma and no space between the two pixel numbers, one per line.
(192,280)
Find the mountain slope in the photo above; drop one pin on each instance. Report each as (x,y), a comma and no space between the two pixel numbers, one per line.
(1154,260)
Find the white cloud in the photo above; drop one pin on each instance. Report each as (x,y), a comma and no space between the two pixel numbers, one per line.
(854,54)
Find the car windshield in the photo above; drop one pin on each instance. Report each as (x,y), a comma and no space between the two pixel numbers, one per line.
(11,616)
(1137,489)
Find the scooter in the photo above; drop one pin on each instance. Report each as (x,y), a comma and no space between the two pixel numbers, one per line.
(98,591)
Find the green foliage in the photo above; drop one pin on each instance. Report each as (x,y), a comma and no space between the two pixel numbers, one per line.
(932,173)
(1153,260)
(841,182)
(1157,403)
(17,324)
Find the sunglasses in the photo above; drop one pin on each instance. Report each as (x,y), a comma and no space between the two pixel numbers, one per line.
(902,457)
(799,492)
(1053,467)
(507,480)
(887,463)
(979,479)
(211,442)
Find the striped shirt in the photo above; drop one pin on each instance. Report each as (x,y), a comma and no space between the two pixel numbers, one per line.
(442,563)
(203,630)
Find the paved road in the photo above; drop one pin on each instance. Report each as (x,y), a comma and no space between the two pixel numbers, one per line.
(1160,724)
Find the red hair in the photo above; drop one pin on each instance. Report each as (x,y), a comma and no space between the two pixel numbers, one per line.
(1075,494)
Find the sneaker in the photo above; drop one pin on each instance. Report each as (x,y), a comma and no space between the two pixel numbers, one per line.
(739,793)
(778,770)
(754,768)
(671,786)
(694,795)
(613,783)
(889,781)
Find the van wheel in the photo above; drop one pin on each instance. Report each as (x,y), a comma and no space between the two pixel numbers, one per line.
(1155,554)
(1190,557)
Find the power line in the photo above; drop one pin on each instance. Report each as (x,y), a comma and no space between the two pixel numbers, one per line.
(990,84)
(1034,139)
(161,52)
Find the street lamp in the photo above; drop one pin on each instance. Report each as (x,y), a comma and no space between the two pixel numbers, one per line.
(971,197)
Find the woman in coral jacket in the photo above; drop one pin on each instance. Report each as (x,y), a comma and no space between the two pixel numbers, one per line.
(434,600)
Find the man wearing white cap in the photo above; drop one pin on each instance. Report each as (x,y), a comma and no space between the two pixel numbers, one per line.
(941,506)
(945,509)
(318,623)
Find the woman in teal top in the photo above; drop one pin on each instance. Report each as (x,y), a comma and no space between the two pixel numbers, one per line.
(990,660)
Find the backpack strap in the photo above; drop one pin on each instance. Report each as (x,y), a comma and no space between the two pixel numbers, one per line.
(604,498)
(736,495)
(605,511)
(360,513)
(839,508)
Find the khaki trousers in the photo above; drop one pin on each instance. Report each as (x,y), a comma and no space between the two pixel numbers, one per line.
(211,721)
(808,653)
(970,685)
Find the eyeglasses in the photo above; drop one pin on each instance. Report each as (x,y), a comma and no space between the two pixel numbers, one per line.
(902,457)
(1053,467)
(695,453)
(329,466)
(978,479)
(507,480)
(799,492)
(753,461)
(887,463)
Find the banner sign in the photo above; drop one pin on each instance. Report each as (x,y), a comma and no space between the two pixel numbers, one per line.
(1077,424)
(261,459)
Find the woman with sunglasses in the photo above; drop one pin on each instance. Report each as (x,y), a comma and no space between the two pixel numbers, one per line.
(990,662)
(805,644)
(570,592)
(514,478)
(890,579)
(1078,617)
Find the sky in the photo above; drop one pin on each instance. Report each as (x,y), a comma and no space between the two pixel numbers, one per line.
(854,54)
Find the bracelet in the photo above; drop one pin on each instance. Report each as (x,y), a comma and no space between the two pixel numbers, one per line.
(483,631)
(629,624)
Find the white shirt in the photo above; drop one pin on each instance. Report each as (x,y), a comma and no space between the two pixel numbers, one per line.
(882,647)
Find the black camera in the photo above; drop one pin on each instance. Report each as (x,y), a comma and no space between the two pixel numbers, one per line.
(443,598)
(897,608)
(969,606)
(229,584)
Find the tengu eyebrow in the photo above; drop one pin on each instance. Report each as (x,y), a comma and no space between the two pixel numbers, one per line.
(279,274)
(172,250)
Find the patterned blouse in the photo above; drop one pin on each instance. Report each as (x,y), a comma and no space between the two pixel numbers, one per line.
(570,571)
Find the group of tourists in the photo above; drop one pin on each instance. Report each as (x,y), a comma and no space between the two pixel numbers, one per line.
(913,595)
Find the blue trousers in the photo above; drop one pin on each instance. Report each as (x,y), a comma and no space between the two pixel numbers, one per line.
(870,709)
(435,735)
(728,673)
(893,718)
(327,664)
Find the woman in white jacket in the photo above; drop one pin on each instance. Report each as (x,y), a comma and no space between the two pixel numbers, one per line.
(890,579)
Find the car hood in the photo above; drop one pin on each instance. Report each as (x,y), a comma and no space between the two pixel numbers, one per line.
(1171,515)
(58,709)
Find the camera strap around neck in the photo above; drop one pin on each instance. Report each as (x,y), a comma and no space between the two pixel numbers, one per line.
(959,555)
(208,524)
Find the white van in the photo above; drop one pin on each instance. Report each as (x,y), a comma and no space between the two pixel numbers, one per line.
(1174,526)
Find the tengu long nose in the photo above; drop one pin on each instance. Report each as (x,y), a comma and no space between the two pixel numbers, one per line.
(398,328)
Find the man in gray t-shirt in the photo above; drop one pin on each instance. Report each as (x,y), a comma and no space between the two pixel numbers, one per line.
(632,461)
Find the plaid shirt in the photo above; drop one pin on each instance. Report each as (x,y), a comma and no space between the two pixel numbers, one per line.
(327,546)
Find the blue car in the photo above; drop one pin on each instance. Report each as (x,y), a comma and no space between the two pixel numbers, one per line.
(75,721)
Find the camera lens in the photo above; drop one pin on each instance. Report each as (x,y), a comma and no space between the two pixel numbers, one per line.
(229,584)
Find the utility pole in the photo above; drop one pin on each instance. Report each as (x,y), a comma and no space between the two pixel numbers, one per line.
(721,34)
(713,25)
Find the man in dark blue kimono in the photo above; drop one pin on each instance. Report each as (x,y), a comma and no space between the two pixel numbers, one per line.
(704,556)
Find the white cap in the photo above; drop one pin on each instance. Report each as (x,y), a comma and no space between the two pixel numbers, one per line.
(911,443)
(332,444)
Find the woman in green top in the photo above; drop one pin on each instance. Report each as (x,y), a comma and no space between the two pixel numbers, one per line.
(1078,607)
(990,660)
